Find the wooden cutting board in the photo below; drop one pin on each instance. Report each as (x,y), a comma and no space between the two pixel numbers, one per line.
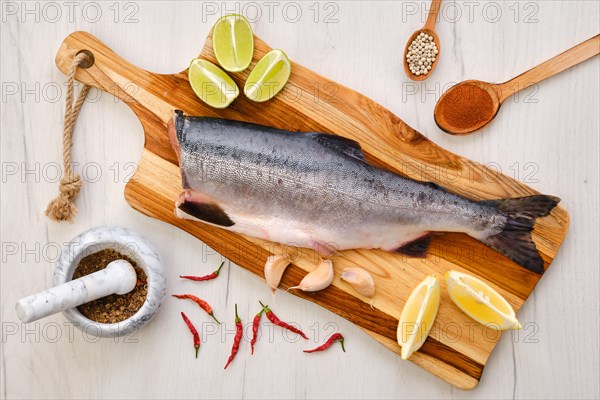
(458,348)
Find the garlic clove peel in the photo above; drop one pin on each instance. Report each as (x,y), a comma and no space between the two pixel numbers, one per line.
(317,279)
(360,280)
(274,269)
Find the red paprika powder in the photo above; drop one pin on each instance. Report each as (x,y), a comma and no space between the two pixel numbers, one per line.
(466,106)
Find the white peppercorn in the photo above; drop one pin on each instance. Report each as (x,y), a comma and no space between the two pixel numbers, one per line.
(421,54)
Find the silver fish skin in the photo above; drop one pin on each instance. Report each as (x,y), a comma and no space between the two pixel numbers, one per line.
(316,190)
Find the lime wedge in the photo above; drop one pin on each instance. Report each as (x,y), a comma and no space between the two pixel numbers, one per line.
(268,77)
(211,84)
(233,42)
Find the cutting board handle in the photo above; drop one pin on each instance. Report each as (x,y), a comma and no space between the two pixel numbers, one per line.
(113,74)
(106,72)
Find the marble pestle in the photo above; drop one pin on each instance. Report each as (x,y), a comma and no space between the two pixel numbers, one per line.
(118,277)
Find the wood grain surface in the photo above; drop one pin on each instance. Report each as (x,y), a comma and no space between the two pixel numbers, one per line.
(311,102)
(557,64)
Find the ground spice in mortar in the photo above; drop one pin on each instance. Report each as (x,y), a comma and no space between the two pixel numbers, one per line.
(114,308)
(467,106)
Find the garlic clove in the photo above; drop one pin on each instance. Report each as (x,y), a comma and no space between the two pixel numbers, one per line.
(274,269)
(317,279)
(360,280)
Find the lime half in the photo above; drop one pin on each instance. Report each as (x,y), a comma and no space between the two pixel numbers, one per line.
(268,77)
(233,42)
(211,84)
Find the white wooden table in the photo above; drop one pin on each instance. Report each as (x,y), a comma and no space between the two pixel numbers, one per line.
(548,137)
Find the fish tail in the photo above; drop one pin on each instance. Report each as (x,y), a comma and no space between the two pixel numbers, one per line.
(515,239)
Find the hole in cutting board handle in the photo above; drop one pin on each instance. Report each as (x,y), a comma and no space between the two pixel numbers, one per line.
(86,64)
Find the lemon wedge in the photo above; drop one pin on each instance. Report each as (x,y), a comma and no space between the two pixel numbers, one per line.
(211,84)
(480,301)
(233,42)
(418,315)
(268,76)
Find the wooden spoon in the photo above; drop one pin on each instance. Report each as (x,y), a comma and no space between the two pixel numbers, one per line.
(457,119)
(429,29)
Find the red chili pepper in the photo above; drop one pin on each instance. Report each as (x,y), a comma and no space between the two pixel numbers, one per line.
(205,277)
(238,338)
(276,321)
(255,323)
(192,329)
(204,305)
(328,343)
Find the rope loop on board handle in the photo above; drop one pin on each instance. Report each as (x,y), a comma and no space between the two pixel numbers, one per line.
(62,208)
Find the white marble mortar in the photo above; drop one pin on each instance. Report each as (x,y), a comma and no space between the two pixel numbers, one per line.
(128,243)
